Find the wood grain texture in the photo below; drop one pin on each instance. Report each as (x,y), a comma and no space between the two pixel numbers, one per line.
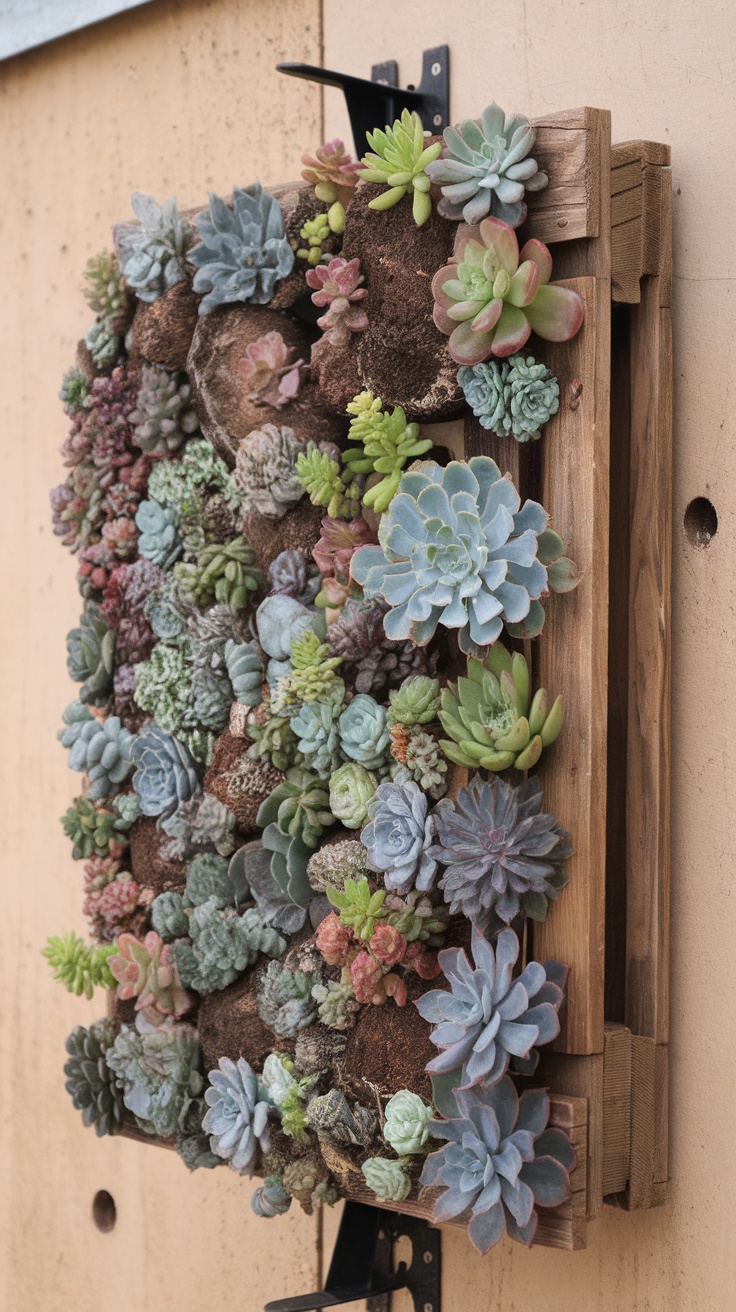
(641,190)
(649,1113)
(616,1108)
(583,1078)
(566,149)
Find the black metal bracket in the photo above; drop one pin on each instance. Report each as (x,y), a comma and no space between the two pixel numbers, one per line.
(362,1264)
(378,102)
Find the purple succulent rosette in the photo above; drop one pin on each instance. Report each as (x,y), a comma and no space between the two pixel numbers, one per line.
(487,1019)
(502,1160)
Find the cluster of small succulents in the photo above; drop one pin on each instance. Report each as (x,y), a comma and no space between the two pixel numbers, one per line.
(266,723)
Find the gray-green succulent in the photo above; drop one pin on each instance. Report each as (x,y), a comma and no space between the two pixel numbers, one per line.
(164,417)
(102,749)
(153,251)
(91,655)
(285,1001)
(515,396)
(300,805)
(159,1073)
(90,1082)
(221,945)
(243,251)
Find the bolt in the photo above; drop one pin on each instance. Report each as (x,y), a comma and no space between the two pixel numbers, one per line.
(427,1308)
(437,120)
(427,1257)
(436,69)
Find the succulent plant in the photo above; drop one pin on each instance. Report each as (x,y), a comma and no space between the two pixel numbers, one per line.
(308,1180)
(406,1123)
(153,252)
(332,864)
(317,233)
(274,741)
(501,1161)
(288,865)
(351,789)
(145,970)
(416,701)
(243,251)
(158,528)
(458,549)
(312,675)
(100,748)
(488,1018)
(81,968)
(316,729)
(223,945)
(270,1198)
(159,1075)
(337,1006)
(168,917)
(399,837)
(253,864)
(211,698)
(388,944)
(386,1178)
(128,591)
(192,1145)
(237,1116)
(515,396)
(417,918)
(398,158)
(212,876)
(333,1119)
(416,751)
(333,552)
(265,471)
(359,907)
(502,854)
(164,417)
(386,442)
(485,168)
(186,482)
(338,286)
(490,296)
(334,940)
(91,655)
(319,473)
(279,620)
(117,907)
(89,1081)
(104,289)
(202,822)
(223,572)
(164,775)
(103,342)
(328,168)
(291,574)
(74,391)
(364,732)
(491,717)
(271,375)
(285,1000)
(300,805)
(96,830)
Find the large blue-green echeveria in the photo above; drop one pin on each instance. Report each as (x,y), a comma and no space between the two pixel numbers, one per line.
(364,731)
(399,837)
(501,1161)
(244,251)
(237,1116)
(165,776)
(458,549)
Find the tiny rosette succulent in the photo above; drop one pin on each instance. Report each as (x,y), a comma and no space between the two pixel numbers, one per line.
(237,1115)
(91,655)
(502,854)
(458,549)
(351,789)
(501,1161)
(270,1198)
(269,371)
(416,701)
(364,732)
(406,1123)
(399,837)
(158,533)
(490,296)
(329,168)
(485,168)
(359,909)
(221,945)
(90,1083)
(243,250)
(164,416)
(516,396)
(487,1018)
(491,717)
(265,471)
(398,158)
(102,749)
(164,776)
(153,252)
(285,1000)
(387,1179)
(316,728)
(337,286)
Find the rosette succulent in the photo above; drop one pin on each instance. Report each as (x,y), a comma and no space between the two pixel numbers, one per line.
(515,396)
(386,1178)
(293,575)
(90,1083)
(96,830)
(102,749)
(153,252)
(416,701)
(359,908)
(316,728)
(265,471)
(385,441)
(223,572)
(212,876)
(145,970)
(221,945)
(351,789)
(300,805)
(285,1001)
(364,732)
(458,549)
(398,158)
(159,1075)
(485,168)
(158,529)
(270,1198)
(237,1116)
(279,620)
(91,655)
(328,168)
(337,286)
(164,416)
(332,864)
(165,776)
(502,854)
(243,250)
(487,1018)
(492,718)
(406,1123)
(282,902)
(168,916)
(490,296)
(399,837)
(269,371)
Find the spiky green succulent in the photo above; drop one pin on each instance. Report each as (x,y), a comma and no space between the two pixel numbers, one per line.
(491,717)
(243,250)
(358,907)
(398,158)
(285,1000)
(90,1083)
(81,967)
(222,572)
(104,289)
(385,443)
(416,701)
(91,655)
(221,945)
(160,1075)
(312,676)
(320,476)
(153,251)
(516,396)
(164,417)
(300,805)
(93,829)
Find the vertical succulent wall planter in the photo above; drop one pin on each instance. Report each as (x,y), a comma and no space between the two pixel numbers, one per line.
(259,397)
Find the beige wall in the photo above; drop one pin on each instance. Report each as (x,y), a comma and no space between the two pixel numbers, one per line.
(182,97)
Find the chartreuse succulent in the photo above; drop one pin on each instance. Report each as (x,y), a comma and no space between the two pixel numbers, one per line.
(415,701)
(406,1123)
(491,717)
(387,1179)
(79,966)
(490,296)
(320,476)
(384,444)
(358,907)
(312,677)
(243,250)
(351,789)
(153,252)
(300,805)
(90,1083)
(515,396)
(222,572)
(501,853)
(500,1162)
(458,549)
(488,1017)
(398,158)
(485,168)
(316,232)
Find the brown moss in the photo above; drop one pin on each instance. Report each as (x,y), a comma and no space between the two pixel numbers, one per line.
(163,329)
(387,1050)
(229,1025)
(298,528)
(149,867)
(239,783)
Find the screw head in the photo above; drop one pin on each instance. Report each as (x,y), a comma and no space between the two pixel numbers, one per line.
(437,120)
(427,1257)
(436,69)
(427,1308)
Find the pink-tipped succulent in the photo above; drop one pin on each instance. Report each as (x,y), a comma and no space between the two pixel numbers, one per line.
(334,940)
(145,970)
(423,960)
(269,371)
(490,296)
(338,286)
(338,540)
(388,944)
(329,168)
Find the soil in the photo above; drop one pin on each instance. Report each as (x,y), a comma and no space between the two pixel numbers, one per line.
(149,868)
(239,783)
(163,330)
(229,1025)
(388,1049)
(299,528)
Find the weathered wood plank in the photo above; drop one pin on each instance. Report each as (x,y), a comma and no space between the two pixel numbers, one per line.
(583,1077)
(649,1109)
(566,149)
(641,188)
(616,1108)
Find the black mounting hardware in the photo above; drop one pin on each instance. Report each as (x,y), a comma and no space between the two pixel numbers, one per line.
(380,101)
(362,1264)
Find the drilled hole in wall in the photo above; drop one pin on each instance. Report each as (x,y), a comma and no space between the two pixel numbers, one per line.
(701,522)
(104,1212)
